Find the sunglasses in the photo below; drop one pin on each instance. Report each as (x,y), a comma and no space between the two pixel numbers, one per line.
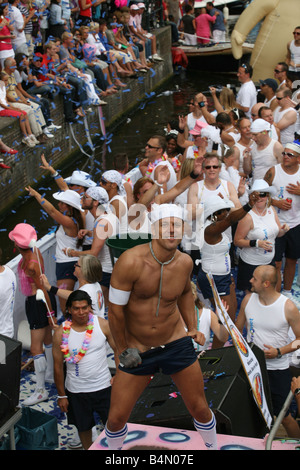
(296,33)
(278,71)
(221,211)
(209,167)
(263,194)
(152,147)
(288,154)
(77,265)
(245,66)
(279,99)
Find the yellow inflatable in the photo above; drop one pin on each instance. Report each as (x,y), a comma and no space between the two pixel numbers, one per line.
(280,17)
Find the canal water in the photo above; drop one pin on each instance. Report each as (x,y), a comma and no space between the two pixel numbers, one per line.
(130,136)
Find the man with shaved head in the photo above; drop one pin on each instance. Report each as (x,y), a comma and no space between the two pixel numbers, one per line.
(268,317)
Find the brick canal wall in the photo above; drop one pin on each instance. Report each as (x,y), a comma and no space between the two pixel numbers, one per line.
(25,165)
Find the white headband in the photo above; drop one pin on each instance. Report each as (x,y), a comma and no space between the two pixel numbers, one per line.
(163,211)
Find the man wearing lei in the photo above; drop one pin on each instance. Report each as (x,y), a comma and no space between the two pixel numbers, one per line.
(155,156)
(81,342)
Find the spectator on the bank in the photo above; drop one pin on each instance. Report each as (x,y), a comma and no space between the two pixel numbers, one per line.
(202,26)
(57,25)
(22,79)
(6,36)
(8,289)
(187,26)
(28,11)
(43,13)
(131,43)
(89,56)
(17,21)
(7,110)
(148,40)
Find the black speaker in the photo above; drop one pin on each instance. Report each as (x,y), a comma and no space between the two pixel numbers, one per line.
(10,375)
(227,391)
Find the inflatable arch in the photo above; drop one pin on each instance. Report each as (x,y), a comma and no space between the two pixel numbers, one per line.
(279,18)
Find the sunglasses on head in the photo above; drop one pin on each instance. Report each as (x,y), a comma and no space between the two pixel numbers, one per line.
(215,167)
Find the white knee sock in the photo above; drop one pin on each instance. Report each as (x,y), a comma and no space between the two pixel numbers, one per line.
(49,359)
(115,439)
(40,370)
(208,432)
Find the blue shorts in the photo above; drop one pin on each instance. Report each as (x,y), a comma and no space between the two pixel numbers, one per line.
(222,284)
(168,359)
(105,281)
(65,270)
(280,386)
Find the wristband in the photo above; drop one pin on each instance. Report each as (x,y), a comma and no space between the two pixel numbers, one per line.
(297,391)
(50,314)
(64,396)
(256,243)
(193,175)
(55,174)
(158,184)
(247,207)
(181,131)
(252,243)
(53,290)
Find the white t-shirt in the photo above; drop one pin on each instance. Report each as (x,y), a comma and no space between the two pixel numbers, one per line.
(8,283)
(96,295)
(247,96)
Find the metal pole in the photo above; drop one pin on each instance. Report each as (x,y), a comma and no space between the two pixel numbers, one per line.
(279,420)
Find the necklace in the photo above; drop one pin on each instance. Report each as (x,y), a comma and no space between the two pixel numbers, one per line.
(161,275)
(75,358)
(260,214)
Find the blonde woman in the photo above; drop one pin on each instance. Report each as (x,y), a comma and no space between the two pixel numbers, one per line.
(255,235)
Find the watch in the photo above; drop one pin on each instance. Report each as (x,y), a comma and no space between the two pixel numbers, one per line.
(201,104)
(279,353)
(297,391)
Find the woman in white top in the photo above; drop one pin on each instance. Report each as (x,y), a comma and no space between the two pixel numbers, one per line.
(215,257)
(88,271)
(70,220)
(207,322)
(256,234)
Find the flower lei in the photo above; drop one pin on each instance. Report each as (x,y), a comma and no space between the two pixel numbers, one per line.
(151,166)
(74,359)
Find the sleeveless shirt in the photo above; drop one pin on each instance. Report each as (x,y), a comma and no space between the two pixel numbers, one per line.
(91,373)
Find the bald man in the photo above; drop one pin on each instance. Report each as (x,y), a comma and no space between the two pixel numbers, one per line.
(268,316)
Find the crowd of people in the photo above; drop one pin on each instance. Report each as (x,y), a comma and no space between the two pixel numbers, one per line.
(81,50)
(220,189)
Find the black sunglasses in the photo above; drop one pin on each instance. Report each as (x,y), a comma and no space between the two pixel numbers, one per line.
(208,167)
(278,71)
(263,194)
(152,146)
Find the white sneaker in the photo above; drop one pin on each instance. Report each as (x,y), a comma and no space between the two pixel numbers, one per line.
(74,442)
(27,141)
(48,133)
(53,127)
(157,57)
(34,139)
(38,396)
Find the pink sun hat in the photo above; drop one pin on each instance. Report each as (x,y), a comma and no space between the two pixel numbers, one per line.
(198,127)
(22,235)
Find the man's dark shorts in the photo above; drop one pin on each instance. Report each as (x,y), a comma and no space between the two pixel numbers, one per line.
(168,359)
(288,245)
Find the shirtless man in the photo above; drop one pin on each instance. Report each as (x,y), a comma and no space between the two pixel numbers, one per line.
(146,322)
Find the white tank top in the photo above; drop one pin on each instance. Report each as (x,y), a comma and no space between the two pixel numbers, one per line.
(267,324)
(287,134)
(215,259)
(64,241)
(280,181)
(241,149)
(204,326)
(204,193)
(91,373)
(295,56)
(123,225)
(104,254)
(265,228)
(262,160)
